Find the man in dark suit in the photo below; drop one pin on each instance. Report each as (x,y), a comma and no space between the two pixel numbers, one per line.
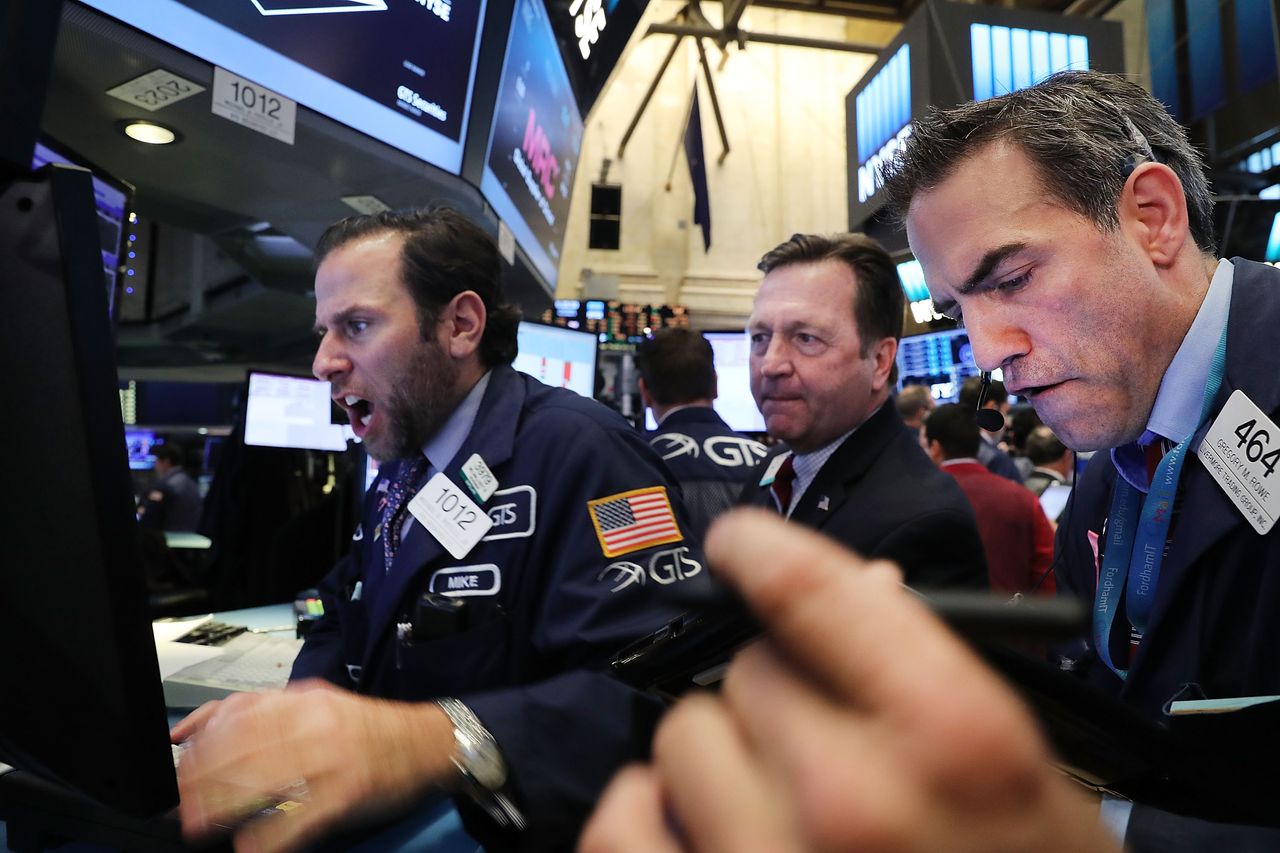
(824,332)
(1017,536)
(1089,275)
(516,537)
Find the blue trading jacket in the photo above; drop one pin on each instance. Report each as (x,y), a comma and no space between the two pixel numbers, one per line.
(547,608)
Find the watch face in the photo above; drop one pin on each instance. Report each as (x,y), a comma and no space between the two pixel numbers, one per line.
(485,764)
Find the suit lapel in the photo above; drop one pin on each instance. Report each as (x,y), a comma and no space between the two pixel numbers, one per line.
(493,438)
(847,465)
(1207,515)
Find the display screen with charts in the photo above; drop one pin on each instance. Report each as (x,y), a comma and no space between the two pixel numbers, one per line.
(557,356)
(941,360)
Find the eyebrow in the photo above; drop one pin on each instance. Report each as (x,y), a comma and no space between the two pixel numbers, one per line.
(992,259)
(342,316)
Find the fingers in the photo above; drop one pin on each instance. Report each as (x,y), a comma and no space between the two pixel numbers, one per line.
(630,817)
(722,798)
(835,766)
(247,753)
(191,724)
(837,619)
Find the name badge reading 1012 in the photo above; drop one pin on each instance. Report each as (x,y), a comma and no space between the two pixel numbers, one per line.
(450,515)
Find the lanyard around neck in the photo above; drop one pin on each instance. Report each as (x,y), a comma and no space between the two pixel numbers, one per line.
(1138,529)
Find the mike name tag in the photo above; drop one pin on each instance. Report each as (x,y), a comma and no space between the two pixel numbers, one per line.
(465,581)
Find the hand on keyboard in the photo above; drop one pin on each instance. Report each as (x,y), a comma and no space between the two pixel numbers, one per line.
(359,757)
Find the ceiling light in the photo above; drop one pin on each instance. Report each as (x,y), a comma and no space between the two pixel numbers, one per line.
(150,133)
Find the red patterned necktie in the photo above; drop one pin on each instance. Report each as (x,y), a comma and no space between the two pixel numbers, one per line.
(782,482)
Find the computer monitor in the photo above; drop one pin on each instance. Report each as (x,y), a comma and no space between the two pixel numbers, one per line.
(291,411)
(562,357)
(141,445)
(111,198)
(534,141)
(401,72)
(940,360)
(734,403)
(80,694)
(731,352)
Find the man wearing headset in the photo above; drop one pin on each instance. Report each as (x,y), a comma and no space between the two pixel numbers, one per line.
(1088,274)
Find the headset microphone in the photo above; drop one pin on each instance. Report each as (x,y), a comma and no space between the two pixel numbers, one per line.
(989,419)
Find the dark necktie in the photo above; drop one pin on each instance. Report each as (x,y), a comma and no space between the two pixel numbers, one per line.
(1154,454)
(782,482)
(398,495)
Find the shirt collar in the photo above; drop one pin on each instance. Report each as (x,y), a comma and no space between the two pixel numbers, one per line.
(447,441)
(807,466)
(671,411)
(1176,413)
(963,460)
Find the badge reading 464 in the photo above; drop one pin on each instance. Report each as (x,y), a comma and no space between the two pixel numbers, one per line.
(1241,452)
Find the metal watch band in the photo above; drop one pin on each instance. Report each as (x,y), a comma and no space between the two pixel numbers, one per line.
(478,759)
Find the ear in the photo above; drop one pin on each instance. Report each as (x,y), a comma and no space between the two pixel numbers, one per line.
(934,449)
(463,322)
(884,352)
(645,396)
(1153,210)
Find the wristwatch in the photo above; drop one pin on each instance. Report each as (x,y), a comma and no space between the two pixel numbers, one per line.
(475,752)
(478,759)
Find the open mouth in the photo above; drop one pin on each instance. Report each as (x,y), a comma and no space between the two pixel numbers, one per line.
(359,411)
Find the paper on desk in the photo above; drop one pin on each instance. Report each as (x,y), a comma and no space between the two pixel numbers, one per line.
(176,656)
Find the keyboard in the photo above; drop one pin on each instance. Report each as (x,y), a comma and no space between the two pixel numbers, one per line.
(211,633)
(248,662)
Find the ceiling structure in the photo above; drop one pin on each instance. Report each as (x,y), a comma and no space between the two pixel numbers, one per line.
(260,203)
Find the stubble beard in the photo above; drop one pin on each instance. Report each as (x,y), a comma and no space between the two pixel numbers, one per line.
(421,399)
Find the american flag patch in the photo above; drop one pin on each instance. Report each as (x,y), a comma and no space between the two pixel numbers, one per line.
(631,521)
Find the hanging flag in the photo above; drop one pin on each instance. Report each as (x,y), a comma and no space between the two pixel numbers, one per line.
(698,170)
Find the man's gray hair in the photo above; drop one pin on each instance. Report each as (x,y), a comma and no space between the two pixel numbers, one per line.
(1084,130)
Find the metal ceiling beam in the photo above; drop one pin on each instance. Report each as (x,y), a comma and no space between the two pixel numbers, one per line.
(887,11)
(761,38)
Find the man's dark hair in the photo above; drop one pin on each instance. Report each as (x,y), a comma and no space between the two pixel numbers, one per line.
(972,387)
(444,254)
(1085,132)
(170,453)
(953,427)
(878,300)
(677,366)
(1044,447)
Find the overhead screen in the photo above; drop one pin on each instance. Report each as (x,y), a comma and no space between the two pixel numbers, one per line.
(534,142)
(400,71)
